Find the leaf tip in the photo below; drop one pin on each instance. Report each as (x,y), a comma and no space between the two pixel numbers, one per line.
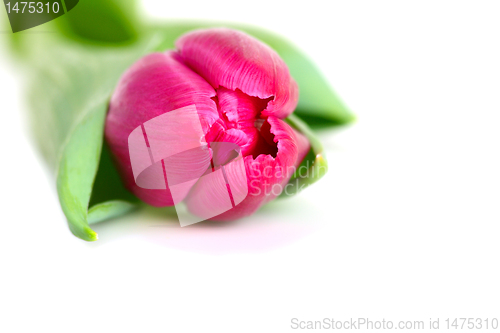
(91,235)
(321,165)
(84,232)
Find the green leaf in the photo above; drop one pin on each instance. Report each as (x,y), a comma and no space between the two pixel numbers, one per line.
(77,168)
(70,90)
(105,22)
(108,210)
(314,165)
(72,80)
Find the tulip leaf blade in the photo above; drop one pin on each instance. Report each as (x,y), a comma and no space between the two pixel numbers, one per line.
(69,93)
(108,22)
(108,210)
(77,168)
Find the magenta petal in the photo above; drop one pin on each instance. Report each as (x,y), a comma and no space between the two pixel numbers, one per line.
(224,152)
(234,60)
(267,176)
(183,170)
(202,124)
(154,85)
(187,165)
(239,108)
(219,190)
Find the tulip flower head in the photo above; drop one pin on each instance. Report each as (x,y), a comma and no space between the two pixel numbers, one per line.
(203,125)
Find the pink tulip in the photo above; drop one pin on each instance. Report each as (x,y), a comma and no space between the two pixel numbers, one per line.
(240,90)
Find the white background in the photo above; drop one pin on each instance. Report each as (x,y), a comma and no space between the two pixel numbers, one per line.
(405,226)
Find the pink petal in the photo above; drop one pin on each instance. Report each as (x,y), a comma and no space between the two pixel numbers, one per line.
(221,87)
(155,84)
(224,152)
(239,108)
(220,189)
(233,60)
(209,196)
(264,177)
(219,133)
(183,170)
(243,112)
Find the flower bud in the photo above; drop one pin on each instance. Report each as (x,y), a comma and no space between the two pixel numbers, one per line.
(171,112)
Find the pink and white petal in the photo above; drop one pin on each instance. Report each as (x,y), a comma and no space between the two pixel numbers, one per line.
(234,60)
